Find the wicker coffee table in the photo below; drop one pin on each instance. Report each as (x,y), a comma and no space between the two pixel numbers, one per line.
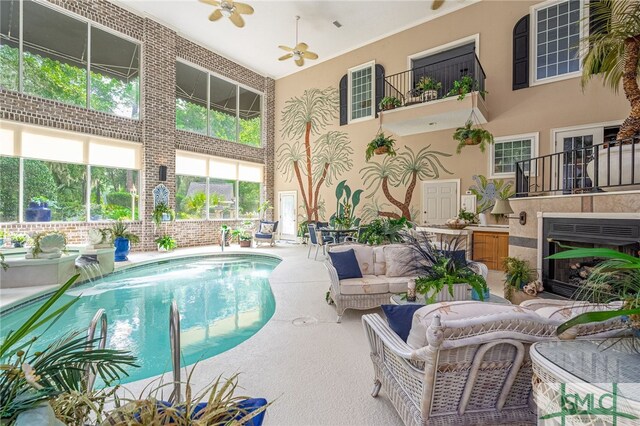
(598,378)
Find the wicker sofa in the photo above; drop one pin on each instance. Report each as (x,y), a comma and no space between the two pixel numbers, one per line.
(473,367)
(381,277)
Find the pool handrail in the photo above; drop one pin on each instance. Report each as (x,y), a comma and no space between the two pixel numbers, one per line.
(101,315)
(174,340)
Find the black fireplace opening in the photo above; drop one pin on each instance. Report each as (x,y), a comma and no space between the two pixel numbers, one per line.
(567,277)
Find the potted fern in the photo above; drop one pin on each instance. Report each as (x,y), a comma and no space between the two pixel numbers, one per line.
(162,213)
(389,102)
(381,144)
(166,243)
(469,135)
(429,88)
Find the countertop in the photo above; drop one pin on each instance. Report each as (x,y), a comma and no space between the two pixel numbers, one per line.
(441,229)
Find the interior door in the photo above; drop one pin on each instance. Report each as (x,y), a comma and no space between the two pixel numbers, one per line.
(577,146)
(439,202)
(288,226)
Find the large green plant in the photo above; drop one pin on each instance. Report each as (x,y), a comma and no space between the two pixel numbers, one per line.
(613,53)
(616,278)
(385,230)
(346,204)
(518,273)
(159,211)
(380,141)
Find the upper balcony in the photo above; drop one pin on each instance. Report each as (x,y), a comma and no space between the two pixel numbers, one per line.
(457,92)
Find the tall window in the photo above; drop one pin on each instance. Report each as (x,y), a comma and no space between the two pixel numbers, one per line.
(68,59)
(506,151)
(217,188)
(213,106)
(62,176)
(557,35)
(361,92)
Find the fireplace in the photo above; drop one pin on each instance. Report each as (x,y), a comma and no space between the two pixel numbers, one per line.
(565,277)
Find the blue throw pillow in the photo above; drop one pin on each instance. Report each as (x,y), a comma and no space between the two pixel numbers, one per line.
(399,318)
(346,264)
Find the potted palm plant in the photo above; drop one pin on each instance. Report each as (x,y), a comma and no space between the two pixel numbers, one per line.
(381,144)
(428,88)
(389,102)
(122,239)
(465,85)
(518,274)
(614,55)
(470,135)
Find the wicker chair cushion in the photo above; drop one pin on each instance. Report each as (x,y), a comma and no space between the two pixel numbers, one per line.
(368,284)
(380,264)
(467,319)
(398,284)
(398,259)
(363,253)
(560,314)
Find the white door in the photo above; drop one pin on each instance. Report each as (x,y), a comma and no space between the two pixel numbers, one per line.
(288,226)
(577,145)
(440,201)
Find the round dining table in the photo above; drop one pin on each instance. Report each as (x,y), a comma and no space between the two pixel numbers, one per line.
(339,234)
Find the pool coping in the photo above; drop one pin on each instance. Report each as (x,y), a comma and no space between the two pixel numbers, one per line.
(29,299)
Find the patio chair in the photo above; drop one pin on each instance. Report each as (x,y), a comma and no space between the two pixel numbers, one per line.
(317,242)
(356,238)
(266,233)
(326,237)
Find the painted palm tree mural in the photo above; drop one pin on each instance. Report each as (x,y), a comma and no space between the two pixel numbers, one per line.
(403,170)
(317,163)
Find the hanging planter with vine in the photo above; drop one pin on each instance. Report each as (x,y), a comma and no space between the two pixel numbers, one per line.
(470,135)
(381,144)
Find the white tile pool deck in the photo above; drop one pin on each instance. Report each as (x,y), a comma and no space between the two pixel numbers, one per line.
(315,374)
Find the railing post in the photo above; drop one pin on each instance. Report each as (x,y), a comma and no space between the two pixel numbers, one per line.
(174,341)
(101,315)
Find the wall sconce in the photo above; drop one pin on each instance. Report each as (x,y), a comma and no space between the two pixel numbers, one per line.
(163,174)
(503,207)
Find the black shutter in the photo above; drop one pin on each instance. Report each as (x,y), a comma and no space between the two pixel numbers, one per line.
(344,98)
(379,86)
(521,54)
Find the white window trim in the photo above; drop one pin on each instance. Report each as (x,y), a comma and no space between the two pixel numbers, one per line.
(554,131)
(372,65)
(535,139)
(533,53)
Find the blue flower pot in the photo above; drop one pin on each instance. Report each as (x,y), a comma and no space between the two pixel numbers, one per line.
(476,296)
(122,249)
(248,405)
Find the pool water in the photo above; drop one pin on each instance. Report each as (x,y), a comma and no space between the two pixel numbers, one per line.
(222,301)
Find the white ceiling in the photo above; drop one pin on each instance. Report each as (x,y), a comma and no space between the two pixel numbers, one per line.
(273,23)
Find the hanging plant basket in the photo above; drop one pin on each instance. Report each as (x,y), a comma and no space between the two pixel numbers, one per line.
(471,141)
(381,150)
(380,145)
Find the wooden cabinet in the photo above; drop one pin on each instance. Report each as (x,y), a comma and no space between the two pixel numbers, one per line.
(490,248)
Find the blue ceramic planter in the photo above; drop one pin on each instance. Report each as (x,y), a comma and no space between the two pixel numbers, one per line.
(476,296)
(122,249)
(248,405)
(37,212)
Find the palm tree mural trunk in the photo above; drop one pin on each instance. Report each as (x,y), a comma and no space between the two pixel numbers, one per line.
(307,147)
(631,125)
(316,196)
(404,208)
(296,169)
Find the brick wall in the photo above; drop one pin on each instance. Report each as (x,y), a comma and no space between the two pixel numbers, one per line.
(155,130)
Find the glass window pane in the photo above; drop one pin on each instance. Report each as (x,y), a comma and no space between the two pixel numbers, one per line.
(222,112)
(55,55)
(9,50)
(248,200)
(559,32)
(111,194)
(58,186)
(9,188)
(191,197)
(222,199)
(250,118)
(191,99)
(115,74)
(361,93)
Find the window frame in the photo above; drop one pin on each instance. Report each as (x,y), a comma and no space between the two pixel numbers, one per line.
(238,86)
(533,43)
(534,137)
(350,71)
(89,23)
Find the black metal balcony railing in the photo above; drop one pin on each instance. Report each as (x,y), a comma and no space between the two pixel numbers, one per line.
(588,168)
(403,85)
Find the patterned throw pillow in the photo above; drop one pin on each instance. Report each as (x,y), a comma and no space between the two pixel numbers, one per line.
(266,228)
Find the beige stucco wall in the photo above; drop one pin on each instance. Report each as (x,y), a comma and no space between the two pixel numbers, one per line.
(535,109)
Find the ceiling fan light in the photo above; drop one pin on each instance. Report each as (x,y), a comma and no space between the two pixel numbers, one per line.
(227,11)
(297,55)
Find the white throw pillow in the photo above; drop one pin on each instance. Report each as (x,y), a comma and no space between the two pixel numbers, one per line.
(399,260)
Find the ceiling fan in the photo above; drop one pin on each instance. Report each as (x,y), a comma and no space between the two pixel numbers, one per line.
(435,4)
(231,9)
(299,53)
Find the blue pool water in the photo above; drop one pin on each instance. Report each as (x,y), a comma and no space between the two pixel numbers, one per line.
(222,301)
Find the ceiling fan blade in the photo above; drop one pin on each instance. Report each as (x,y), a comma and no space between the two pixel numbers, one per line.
(436,4)
(237,20)
(285,57)
(300,61)
(243,8)
(301,47)
(211,2)
(287,48)
(310,55)
(217,14)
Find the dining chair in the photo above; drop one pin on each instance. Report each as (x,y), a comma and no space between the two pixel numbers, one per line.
(355,239)
(315,241)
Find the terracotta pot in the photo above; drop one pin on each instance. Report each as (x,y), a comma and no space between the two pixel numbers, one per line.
(381,150)
(471,141)
(388,107)
(245,243)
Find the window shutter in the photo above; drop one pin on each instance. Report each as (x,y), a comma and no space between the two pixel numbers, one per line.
(344,99)
(521,54)
(379,86)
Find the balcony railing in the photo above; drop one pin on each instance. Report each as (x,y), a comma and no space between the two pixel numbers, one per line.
(589,168)
(403,85)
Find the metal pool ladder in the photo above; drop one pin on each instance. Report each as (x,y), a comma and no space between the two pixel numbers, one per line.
(100,316)
(174,340)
